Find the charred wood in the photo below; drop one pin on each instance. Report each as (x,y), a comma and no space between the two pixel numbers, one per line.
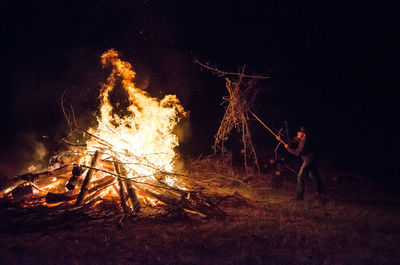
(22,191)
(73,181)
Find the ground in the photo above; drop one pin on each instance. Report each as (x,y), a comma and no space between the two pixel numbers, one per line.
(355,223)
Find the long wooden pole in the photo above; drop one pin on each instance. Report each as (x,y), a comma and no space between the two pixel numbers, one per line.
(255,116)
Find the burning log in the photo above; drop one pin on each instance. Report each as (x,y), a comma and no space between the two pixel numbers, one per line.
(22,191)
(86,182)
(161,197)
(96,191)
(121,188)
(42,178)
(120,170)
(73,181)
(52,198)
(29,177)
(10,186)
(132,197)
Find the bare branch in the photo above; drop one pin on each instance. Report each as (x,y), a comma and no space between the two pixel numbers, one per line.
(223,73)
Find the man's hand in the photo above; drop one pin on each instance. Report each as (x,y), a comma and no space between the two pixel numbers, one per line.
(280,140)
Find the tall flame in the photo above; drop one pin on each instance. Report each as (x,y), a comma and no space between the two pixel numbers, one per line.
(143,137)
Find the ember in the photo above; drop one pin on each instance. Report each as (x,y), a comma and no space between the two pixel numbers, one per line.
(127,158)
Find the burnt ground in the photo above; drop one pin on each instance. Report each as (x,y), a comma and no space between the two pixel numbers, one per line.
(355,223)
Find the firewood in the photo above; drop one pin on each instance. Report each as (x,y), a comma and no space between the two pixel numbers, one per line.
(122,197)
(96,191)
(73,181)
(86,182)
(120,170)
(22,191)
(99,185)
(162,197)
(52,198)
(10,186)
(132,197)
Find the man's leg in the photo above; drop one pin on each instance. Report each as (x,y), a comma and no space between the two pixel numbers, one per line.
(315,175)
(300,180)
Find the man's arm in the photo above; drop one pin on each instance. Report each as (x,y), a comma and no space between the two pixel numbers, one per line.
(298,150)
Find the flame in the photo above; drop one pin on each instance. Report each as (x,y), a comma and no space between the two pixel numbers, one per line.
(138,137)
(147,131)
(141,138)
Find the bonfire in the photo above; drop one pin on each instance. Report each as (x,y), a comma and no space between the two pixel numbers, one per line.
(128,158)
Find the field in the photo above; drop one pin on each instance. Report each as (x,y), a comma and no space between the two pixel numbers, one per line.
(354,223)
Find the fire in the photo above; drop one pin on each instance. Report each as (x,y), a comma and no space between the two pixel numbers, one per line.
(141,139)
(128,148)
(146,133)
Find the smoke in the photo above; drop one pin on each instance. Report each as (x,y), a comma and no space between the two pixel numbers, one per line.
(29,155)
(184,131)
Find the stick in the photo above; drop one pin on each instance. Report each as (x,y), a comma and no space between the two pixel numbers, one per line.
(229,73)
(276,136)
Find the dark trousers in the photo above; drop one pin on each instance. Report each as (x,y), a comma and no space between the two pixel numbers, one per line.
(308,167)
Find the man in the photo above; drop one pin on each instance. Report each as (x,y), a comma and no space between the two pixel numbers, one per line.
(308,167)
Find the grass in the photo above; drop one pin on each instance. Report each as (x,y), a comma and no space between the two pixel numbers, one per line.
(355,223)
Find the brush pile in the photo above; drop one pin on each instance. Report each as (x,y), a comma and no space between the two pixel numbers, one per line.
(242,94)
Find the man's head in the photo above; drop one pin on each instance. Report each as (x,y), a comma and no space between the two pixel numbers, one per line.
(301,133)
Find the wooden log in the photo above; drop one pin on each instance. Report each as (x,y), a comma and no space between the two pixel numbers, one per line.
(182,204)
(164,199)
(73,181)
(71,195)
(120,170)
(86,182)
(122,187)
(52,198)
(132,196)
(37,178)
(122,196)
(96,192)
(22,191)
(10,186)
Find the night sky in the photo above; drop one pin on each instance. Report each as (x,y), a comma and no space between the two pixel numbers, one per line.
(333,67)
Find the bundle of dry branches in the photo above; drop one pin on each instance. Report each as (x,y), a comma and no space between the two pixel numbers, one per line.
(242,93)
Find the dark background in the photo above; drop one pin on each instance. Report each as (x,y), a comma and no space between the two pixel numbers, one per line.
(333,68)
